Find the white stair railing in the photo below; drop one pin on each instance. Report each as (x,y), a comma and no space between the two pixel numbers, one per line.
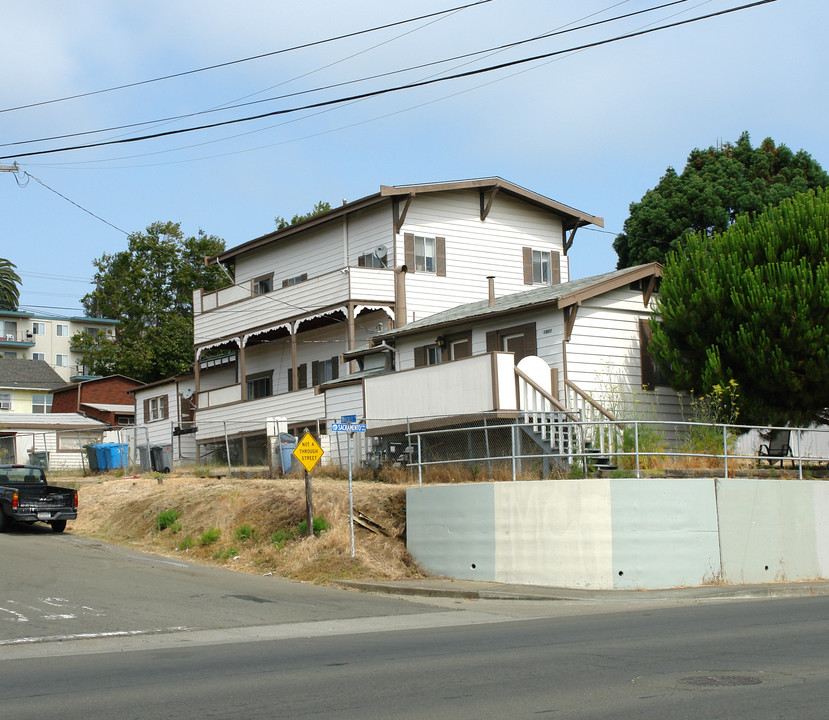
(603,433)
(545,416)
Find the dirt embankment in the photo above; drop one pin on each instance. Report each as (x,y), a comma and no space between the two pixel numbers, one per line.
(252,525)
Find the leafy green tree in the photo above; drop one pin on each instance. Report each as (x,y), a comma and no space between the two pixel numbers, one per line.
(716,186)
(149,288)
(9,280)
(751,305)
(320,208)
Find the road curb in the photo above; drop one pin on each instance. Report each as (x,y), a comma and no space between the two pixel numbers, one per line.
(464,590)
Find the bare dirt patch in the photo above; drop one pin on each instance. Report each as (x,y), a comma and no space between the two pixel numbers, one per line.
(257,522)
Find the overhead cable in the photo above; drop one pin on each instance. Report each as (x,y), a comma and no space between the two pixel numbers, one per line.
(398,88)
(242,60)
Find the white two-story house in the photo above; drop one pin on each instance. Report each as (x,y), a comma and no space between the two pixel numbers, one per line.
(304,295)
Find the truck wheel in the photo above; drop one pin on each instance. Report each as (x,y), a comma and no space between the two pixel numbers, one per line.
(58,526)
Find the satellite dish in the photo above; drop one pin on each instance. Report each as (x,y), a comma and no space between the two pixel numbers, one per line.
(187,392)
(380,252)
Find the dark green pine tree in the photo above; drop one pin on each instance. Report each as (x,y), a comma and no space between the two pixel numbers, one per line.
(751,305)
(716,186)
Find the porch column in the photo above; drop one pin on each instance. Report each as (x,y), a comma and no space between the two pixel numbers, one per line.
(349,334)
(197,374)
(294,363)
(242,370)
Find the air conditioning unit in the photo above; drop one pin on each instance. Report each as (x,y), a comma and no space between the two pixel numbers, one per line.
(5,405)
(10,336)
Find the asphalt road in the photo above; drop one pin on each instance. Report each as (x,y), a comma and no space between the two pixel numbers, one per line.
(300,651)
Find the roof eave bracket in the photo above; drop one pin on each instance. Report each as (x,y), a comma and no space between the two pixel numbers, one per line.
(486,205)
(400,217)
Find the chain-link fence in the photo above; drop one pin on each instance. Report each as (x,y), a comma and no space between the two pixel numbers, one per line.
(429,449)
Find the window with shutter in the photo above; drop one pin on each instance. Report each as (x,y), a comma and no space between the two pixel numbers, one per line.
(652,375)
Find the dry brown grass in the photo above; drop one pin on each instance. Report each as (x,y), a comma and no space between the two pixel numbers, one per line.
(124,510)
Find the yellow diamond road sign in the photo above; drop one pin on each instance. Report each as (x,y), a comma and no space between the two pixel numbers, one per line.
(308,452)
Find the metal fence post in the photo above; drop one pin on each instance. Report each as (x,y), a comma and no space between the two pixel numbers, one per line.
(799,454)
(636,447)
(725,450)
(227,449)
(512,443)
(419,464)
(488,453)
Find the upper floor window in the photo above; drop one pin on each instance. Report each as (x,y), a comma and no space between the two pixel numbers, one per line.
(8,330)
(263,284)
(258,386)
(61,360)
(6,401)
(156,408)
(92,331)
(425,254)
(295,280)
(38,356)
(41,403)
(325,370)
(10,355)
(38,328)
(62,330)
(541,267)
(372,259)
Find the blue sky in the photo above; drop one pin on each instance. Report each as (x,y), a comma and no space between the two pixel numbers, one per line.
(593,129)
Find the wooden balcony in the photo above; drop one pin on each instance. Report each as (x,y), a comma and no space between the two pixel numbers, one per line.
(211,319)
(473,385)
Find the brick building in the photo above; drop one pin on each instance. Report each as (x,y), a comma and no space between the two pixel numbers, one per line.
(104,399)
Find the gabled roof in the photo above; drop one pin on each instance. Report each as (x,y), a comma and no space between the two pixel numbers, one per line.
(49,421)
(28,375)
(572,218)
(74,386)
(559,296)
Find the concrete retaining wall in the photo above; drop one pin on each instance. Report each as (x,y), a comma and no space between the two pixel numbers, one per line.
(623,533)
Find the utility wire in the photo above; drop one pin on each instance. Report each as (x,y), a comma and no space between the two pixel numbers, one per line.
(397,88)
(332,86)
(80,207)
(243,60)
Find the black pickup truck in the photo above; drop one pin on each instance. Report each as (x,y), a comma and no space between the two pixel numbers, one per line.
(26,497)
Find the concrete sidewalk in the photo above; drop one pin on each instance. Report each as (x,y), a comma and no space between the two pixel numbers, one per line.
(474,590)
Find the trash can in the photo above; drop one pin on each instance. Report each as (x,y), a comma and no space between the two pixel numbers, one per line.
(287,443)
(39,457)
(144,460)
(102,455)
(118,454)
(162,458)
(91,457)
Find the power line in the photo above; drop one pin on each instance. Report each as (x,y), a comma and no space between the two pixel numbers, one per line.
(492,50)
(243,60)
(80,207)
(384,91)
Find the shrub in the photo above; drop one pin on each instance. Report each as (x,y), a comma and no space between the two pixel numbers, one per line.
(228,554)
(167,518)
(185,543)
(281,536)
(245,532)
(208,537)
(320,526)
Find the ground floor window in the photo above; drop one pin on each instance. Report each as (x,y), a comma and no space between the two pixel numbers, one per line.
(41,403)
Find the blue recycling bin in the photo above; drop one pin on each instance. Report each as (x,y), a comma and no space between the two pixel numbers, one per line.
(102,455)
(118,455)
(287,443)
